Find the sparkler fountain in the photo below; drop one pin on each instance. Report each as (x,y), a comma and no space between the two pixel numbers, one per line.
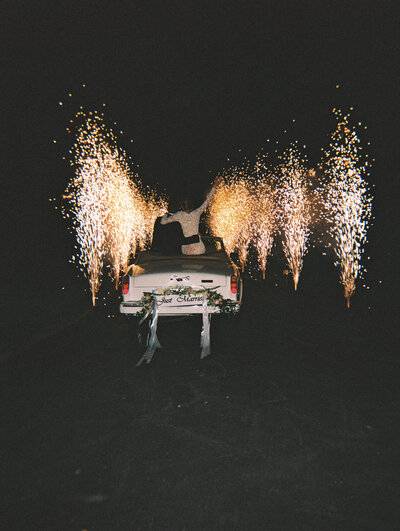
(245,207)
(347,201)
(294,209)
(264,222)
(230,213)
(112,214)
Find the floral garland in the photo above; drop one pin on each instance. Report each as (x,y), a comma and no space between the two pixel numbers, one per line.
(213,298)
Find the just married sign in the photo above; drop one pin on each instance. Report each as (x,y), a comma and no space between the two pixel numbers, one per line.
(183,299)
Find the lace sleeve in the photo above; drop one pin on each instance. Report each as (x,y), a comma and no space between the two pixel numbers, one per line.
(207,201)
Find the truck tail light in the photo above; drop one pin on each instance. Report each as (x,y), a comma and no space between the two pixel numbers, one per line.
(233,284)
(125,285)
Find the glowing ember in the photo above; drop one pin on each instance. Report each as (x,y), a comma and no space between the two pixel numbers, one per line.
(112,215)
(294,209)
(347,203)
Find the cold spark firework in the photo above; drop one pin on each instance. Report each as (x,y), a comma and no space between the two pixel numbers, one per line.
(243,211)
(112,215)
(294,209)
(230,212)
(347,201)
(264,221)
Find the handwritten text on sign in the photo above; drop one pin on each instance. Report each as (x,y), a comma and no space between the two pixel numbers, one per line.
(179,300)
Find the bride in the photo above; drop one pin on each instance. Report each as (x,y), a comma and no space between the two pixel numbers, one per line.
(189,220)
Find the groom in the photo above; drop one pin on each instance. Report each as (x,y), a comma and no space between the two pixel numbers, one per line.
(167,239)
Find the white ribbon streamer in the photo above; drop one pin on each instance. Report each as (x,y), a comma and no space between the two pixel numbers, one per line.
(153,342)
(205,333)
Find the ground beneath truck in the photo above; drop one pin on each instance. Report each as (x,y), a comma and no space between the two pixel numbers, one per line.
(291,423)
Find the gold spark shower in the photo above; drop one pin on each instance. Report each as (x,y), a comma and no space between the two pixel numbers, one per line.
(245,206)
(112,214)
(264,220)
(347,201)
(229,214)
(222,216)
(294,209)
(243,211)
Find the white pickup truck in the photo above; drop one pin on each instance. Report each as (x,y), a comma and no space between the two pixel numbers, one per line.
(181,283)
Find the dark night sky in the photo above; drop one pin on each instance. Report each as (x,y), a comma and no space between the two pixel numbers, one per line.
(192,82)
